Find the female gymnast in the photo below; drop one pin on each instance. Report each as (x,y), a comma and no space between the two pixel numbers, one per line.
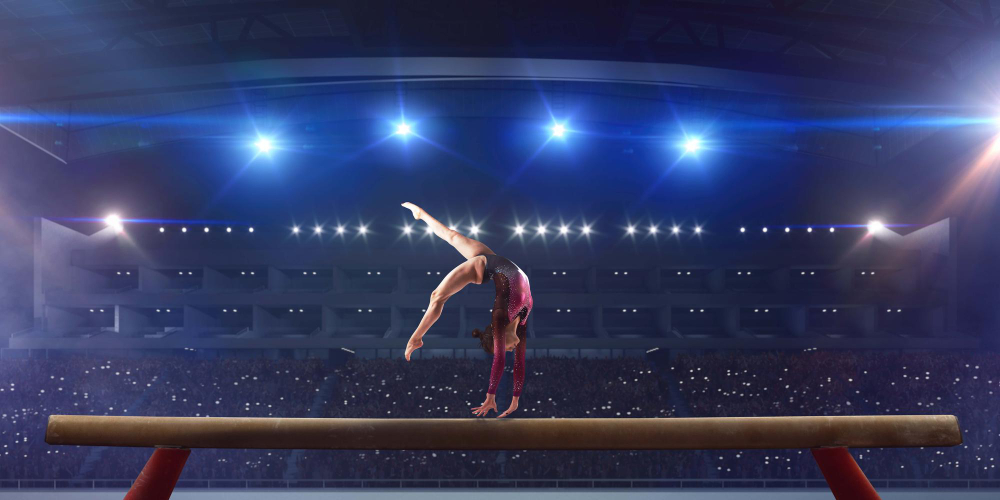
(507,330)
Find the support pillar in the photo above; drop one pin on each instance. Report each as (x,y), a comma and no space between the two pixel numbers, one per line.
(159,476)
(845,478)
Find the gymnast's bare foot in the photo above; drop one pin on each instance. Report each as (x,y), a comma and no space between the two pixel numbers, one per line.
(413,345)
(417,211)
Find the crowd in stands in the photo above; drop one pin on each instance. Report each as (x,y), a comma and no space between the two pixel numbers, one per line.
(703,384)
(852,383)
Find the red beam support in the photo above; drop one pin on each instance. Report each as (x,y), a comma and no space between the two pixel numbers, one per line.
(845,478)
(159,476)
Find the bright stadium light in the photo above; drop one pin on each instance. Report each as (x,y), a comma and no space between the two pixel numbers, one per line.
(229,229)
(341,229)
(675,230)
(764,229)
(318,229)
(541,229)
(585,230)
(692,144)
(162,229)
(407,229)
(563,230)
(630,229)
(519,230)
(809,229)
(206,229)
(295,229)
(697,230)
(263,145)
(832,229)
(653,229)
(184,229)
(115,222)
(875,226)
(558,130)
(362,229)
(788,229)
(251,229)
(743,229)
(474,229)
(403,129)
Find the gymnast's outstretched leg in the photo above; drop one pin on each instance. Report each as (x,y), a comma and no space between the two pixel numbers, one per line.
(470,271)
(455,281)
(466,246)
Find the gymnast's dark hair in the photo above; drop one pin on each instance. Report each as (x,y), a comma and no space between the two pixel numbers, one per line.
(485,338)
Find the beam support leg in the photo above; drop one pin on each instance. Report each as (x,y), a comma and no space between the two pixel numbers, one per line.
(159,476)
(845,478)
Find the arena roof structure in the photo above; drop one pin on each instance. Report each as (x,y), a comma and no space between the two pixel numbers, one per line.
(896,64)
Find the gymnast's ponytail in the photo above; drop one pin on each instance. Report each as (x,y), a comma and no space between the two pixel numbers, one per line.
(485,338)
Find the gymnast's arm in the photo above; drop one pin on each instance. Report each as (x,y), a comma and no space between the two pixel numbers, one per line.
(518,373)
(499,359)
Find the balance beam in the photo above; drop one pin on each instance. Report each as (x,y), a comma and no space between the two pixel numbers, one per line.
(828,437)
(889,431)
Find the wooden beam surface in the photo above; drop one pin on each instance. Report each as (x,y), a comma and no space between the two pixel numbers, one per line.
(884,431)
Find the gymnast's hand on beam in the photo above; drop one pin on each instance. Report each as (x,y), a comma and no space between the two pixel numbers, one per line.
(489,404)
(413,345)
(513,406)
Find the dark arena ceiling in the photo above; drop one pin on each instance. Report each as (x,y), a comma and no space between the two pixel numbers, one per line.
(867,41)
(886,61)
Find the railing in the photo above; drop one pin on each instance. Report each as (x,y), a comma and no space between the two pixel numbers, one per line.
(234,484)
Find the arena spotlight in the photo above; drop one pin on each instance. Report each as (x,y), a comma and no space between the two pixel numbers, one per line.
(184,229)
(403,129)
(251,229)
(653,229)
(263,145)
(541,230)
(428,231)
(764,229)
(229,229)
(675,230)
(563,230)
(585,230)
(474,229)
(809,229)
(206,229)
(362,229)
(832,229)
(295,229)
(788,229)
(743,229)
(115,222)
(519,230)
(162,229)
(875,226)
(697,230)
(340,229)
(692,144)
(558,130)
(407,229)
(318,229)
(630,229)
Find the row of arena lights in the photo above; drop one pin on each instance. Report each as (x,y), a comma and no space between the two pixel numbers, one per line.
(873,226)
(558,130)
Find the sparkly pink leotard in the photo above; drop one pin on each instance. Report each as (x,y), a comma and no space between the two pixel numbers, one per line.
(513,303)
